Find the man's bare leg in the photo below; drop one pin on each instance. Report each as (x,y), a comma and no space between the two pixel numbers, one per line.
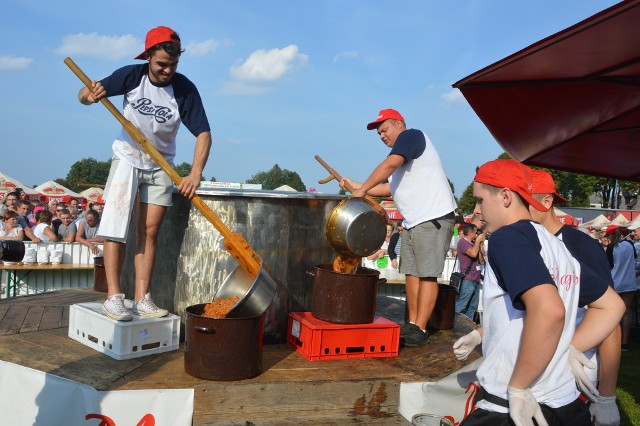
(149,219)
(426,300)
(113,259)
(411,288)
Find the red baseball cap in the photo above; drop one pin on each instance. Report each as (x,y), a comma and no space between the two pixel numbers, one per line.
(158,35)
(383,115)
(543,184)
(509,174)
(611,229)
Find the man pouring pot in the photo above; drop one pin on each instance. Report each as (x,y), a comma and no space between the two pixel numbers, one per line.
(421,192)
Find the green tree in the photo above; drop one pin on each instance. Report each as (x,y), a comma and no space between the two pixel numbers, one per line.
(87,171)
(277,177)
(453,189)
(183,169)
(466,203)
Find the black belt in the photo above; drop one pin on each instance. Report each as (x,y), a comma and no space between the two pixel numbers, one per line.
(435,221)
(483,394)
(489,397)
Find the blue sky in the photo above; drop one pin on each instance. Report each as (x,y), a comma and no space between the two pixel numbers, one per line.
(281,81)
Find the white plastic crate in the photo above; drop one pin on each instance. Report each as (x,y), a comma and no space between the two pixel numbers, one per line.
(119,339)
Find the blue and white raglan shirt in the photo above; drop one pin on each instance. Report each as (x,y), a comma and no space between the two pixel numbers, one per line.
(419,187)
(589,254)
(156,110)
(522,256)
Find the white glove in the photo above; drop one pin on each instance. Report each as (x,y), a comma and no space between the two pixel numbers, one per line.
(605,411)
(578,362)
(464,345)
(523,407)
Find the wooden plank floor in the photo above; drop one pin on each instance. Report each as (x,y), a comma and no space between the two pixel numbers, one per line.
(291,389)
(44,311)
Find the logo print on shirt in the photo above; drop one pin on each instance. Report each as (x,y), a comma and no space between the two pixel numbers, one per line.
(145,107)
(565,281)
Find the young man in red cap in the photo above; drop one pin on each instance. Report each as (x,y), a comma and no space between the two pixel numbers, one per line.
(156,100)
(531,297)
(421,192)
(589,253)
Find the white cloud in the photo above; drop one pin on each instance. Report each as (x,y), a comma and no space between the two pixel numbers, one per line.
(265,66)
(257,74)
(454,95)
(14,63)
(109,47)
(204,47)
(349,54)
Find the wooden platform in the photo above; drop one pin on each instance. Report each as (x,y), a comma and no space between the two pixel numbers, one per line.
(291,389)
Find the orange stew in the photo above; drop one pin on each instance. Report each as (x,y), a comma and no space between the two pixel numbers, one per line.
(346,265)
(220,308)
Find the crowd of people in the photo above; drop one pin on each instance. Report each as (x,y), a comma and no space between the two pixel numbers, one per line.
(22,219)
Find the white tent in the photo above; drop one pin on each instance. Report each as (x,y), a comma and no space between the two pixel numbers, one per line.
(286,188)
(635,223)
(620,220)
(598,223)
(9,184)
(93,194)
(54,191)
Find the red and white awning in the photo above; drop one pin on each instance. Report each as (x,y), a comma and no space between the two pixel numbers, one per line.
(54,191)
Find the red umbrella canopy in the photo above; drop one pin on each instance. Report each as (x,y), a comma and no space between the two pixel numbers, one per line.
(570,101)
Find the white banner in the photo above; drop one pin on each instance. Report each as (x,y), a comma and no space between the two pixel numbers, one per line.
(448,397)
(32,397)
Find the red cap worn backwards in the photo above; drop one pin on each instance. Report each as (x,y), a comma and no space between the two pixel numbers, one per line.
(158,35)
(509,174)
(543,184)
(383,115)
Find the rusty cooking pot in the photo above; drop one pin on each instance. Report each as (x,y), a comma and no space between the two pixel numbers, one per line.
(345,298)
(222,348)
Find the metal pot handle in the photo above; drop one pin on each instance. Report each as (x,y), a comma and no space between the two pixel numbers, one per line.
(205,330)
(312,273)
(382,281)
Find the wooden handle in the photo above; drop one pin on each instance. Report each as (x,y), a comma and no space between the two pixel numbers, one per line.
(237,246)
(335,174)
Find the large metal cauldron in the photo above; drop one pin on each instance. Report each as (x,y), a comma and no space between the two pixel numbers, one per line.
(222,348)
(345,298)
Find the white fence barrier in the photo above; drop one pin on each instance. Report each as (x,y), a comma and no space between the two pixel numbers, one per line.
(38,281)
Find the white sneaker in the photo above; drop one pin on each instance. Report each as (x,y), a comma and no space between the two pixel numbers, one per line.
(147,309)
(114,308)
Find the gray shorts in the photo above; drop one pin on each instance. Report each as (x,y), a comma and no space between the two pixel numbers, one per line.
(154,186)
(424,248)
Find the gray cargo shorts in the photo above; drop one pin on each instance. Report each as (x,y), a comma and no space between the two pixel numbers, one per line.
(424,248)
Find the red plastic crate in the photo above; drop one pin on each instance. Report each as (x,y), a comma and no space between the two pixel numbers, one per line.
(320,340)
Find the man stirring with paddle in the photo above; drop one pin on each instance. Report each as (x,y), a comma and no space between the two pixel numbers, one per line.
(156,100)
